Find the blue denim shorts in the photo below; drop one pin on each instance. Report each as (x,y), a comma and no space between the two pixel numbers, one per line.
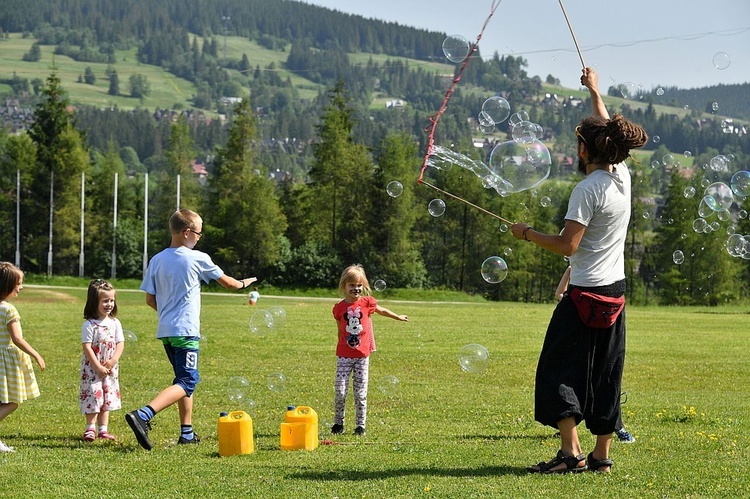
(183,355)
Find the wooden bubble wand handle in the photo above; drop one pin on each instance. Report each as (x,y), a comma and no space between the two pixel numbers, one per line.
(572,34)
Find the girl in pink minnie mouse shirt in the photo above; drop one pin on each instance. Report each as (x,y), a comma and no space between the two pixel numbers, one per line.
(103,344)
(356,342)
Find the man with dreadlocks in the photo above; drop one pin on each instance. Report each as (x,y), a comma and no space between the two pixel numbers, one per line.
(579,374)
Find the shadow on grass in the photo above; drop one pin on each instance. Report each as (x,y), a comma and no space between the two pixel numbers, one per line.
(521,436)
(360,475)
(71,442)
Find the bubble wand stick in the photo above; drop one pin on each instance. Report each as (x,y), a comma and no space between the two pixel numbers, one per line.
(572,34)
(422,181)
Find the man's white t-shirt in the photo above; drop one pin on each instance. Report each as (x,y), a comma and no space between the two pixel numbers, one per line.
(601,202)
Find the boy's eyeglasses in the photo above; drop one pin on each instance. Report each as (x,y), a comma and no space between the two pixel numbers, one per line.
(199,234)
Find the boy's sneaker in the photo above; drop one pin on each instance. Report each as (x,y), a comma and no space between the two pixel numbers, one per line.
(105,435)
(89,435)
(624,436)
(337,429)
(6,448)
(359,430)
(194,440)
(140,429)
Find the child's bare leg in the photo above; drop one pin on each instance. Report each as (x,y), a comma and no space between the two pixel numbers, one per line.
(6,409)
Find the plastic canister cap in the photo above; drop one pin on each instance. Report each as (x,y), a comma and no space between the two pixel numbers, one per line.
(290,408)
(223,414)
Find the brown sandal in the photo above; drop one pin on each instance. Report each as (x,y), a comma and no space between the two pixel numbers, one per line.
(571,464)
(598,464)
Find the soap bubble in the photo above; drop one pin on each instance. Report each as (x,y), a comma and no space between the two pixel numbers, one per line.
(394,188)
(659,91)
(473,358)
(131,342)
(628,90)
(718,195)
(718,163)
(721,60)
(276,382)
(261,322)
(278,315)
(668,160)
(508,251)
(656,139)
(723,214)
(689,191)
(494,270)
(496,109)
(699,225)
(545,201)
(379,285)
(736,245)
(436,208)
(678,257)
(503,228)
(687,154)
(517,118)
(741,183)
(705,183)
(456,48)
(388,385)
(705,207)
(715,106)
(520,166)
(524,132)
(237,387)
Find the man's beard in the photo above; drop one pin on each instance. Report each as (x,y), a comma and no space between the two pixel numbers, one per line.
(581,166)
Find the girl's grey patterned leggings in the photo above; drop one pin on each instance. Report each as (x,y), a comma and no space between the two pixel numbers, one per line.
(344,368)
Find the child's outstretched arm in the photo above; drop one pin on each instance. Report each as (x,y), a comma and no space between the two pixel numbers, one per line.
(387,313)
(15,336)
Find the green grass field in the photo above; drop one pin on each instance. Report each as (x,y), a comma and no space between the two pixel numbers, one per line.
(442,433)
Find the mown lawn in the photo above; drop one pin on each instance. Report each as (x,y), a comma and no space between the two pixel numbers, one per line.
(441,432)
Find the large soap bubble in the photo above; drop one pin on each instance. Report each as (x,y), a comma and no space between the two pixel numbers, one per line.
(718,195)
(456,48)
(494,270)
(496,109)
(721,60)
(520,166)
(473,358)
(741,183)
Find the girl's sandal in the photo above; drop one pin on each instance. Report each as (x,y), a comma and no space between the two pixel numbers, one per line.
(571,464)
(598,464)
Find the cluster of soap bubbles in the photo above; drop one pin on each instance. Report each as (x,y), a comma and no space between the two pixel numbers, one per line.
(473,358)
(717,200)
(264,321)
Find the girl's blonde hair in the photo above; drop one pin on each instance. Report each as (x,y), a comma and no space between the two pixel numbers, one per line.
(10,276)
(91,309)
(356,274)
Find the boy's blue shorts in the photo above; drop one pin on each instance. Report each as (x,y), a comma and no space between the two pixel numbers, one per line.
(182,353)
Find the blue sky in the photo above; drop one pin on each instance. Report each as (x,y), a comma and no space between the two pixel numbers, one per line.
(645,42)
